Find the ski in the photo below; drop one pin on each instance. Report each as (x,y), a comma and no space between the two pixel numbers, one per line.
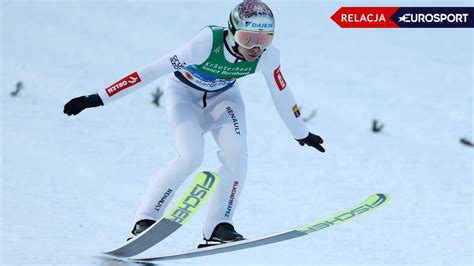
(368,205)
(200,190)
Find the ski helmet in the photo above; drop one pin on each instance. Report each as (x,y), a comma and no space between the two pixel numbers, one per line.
(251,24)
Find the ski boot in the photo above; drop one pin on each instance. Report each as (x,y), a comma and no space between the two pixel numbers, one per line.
(141,226)
(223,233)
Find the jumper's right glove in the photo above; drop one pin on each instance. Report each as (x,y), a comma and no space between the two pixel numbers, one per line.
(312,140)
(76,105)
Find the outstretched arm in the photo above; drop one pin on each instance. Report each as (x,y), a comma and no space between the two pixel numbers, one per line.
(193,52)
(128,84)
(285,103)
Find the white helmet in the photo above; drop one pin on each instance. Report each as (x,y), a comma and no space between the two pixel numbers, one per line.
(251,24)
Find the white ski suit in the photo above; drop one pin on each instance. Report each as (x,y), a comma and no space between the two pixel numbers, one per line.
(197,104)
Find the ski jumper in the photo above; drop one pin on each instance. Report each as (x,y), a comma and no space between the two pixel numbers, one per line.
(203,96)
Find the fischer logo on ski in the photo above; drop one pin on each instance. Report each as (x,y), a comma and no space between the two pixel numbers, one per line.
(199,191)
(344,216)
(197,194)
(373,202)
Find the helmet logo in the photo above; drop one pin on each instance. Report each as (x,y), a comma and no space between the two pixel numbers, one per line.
(251,24)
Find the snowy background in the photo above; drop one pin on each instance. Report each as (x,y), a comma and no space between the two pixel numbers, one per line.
(70,186)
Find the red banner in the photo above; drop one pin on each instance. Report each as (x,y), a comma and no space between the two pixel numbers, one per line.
(365,17)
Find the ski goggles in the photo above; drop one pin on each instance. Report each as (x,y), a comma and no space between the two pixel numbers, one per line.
(251,39)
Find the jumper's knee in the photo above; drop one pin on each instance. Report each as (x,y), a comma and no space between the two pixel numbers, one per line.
(234,159)
(190,162)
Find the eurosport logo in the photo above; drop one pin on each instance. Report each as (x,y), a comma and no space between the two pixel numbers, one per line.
(404,17)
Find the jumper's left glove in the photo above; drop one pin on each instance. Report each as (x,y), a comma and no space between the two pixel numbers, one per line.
(312,140)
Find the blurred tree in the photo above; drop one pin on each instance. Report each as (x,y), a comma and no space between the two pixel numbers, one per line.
(19,87)
(376,127)
(466,142)
(308,118)
(156,96)
(311,116)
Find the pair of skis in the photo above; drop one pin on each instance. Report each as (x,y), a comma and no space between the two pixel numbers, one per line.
(199,191)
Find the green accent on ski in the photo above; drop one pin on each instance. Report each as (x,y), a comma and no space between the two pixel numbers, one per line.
(371,203)
(203,186)
(216,64)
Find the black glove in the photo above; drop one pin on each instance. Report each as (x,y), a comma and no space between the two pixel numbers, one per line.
(76,105)
(314,141)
